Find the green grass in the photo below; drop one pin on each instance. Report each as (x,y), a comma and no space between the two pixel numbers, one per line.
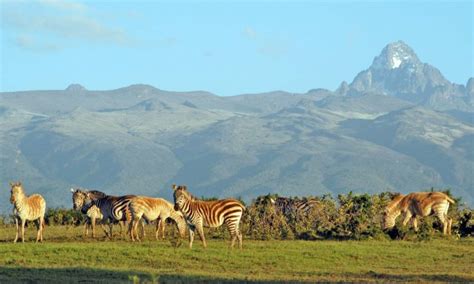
(65,256)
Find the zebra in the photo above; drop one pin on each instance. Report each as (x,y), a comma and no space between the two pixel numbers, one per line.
(152,209)
(113,208)
(418,204)
(92,212)
(199,213)
(27,208)
(295,207)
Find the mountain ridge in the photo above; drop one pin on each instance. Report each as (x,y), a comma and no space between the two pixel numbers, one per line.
(390,128)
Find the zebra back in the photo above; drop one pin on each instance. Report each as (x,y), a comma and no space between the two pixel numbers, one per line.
(26,207)
(210,213)
(115,208)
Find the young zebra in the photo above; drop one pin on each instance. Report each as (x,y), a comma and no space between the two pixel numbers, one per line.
(27,208)
(113,208)
(289,206)
(152,209)
(200,213)
(92,212)
(418,204)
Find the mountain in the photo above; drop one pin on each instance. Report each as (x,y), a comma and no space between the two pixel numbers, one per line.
(398,72)
(399,125)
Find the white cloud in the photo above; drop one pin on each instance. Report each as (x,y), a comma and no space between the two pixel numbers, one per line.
(62,20)
(249,33)
(64,5)
(266,46)
(32,44)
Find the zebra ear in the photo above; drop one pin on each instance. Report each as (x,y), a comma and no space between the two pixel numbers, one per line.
(19,183)
(185,187)
(73,190)
(174,187)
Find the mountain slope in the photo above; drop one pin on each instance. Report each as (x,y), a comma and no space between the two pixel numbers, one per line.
(400,125)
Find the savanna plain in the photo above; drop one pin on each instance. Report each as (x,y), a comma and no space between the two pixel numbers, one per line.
(66,256)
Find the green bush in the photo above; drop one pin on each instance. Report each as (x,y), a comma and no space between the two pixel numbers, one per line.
(350,216)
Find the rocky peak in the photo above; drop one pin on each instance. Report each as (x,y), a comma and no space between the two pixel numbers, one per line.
(75,88)
(394,55)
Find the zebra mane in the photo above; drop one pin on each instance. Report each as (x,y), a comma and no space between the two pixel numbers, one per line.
(95,194)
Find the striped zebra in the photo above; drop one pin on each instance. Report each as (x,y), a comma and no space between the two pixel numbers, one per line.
(294,207)
(113,208)
(199,213)
(420,204)
(27,208)
(151,209)
(92,213)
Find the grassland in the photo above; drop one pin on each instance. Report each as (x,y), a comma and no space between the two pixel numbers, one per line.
(66,257)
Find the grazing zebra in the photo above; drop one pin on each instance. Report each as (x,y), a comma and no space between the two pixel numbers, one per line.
(290,206)
(92,212)
(200,213)
(27,208)
(113,208)
(418,204)
(152,209)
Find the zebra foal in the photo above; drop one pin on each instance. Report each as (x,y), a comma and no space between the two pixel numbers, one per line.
(199,213)
(420,204)
(113,208)
(152,209)
(92,212)
(27,208)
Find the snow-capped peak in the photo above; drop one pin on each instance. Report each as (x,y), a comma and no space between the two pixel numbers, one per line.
(394,55)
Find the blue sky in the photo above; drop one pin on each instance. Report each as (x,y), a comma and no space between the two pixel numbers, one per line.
(227,48)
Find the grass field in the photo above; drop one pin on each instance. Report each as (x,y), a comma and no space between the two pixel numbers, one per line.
(66,257)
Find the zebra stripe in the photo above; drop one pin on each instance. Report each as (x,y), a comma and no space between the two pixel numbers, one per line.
(289,206)
(113,208)
(92,212)
(152,209)
(200,213)
(418,204)
(27,208)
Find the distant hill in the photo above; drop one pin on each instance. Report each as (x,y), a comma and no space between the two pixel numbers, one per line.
(400,125)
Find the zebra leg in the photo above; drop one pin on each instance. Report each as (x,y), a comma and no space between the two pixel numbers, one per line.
(111,226)
(163,224)
(442,217)
(407,218)
(143,229)
(239,236)
(233,233)
(415,223)
(23,222)
(200,231)
(157,228)
(38,229)
(135,229)
(17,229)
(86,228)
(450,222)
(130,230)
(92,225)
(191,236)
(42,228)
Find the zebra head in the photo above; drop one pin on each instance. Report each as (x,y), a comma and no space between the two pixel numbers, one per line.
(391,212)
(16,191)
(78,198)
(180,195)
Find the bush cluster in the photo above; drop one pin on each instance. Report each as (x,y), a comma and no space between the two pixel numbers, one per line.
(349,216)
